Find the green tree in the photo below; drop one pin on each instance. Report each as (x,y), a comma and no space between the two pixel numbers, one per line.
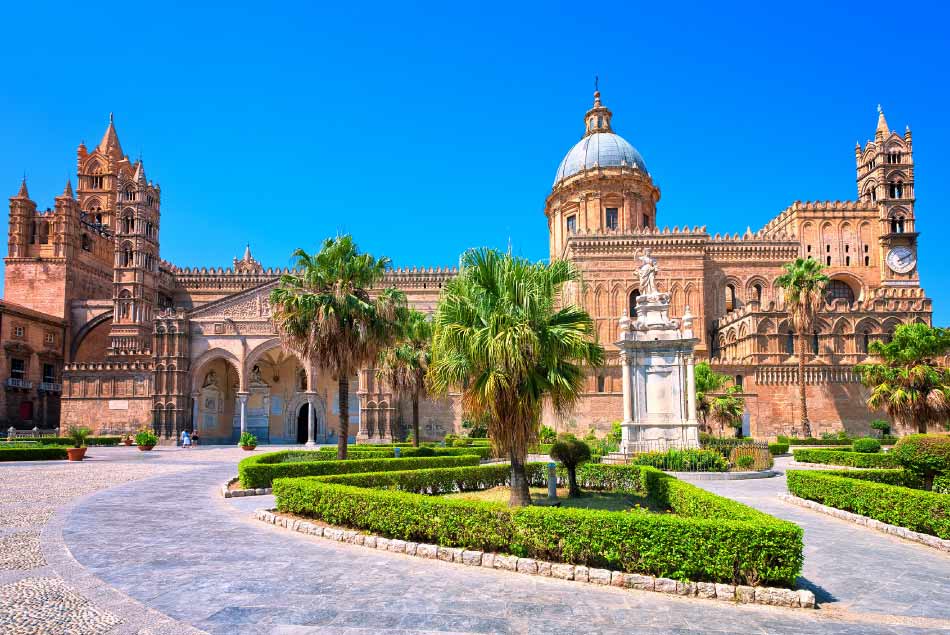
(501,339)
(727,409)
(804,285)
(404,365)
(571,452)
(906,380)
(324,312)
(707,381)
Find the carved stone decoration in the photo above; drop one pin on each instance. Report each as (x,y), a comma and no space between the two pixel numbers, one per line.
(647,274)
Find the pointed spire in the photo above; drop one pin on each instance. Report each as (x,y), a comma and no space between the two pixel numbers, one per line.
(68,192)
(247,253)
(139,172)
(882,128)
(23,193)
(110,140)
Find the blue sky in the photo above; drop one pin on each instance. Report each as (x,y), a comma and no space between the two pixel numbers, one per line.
(424,129)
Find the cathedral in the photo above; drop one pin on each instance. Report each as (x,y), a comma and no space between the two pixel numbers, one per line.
(98,330)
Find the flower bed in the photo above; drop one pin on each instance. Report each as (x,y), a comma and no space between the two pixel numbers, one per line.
(889,496)
(42,453)
(706,537)
(260,471)
(846,458)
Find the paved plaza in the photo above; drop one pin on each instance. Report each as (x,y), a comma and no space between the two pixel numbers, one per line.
(133,542)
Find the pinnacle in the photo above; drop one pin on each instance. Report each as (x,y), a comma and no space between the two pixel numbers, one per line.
(23,193)
(882,128)
(68,191)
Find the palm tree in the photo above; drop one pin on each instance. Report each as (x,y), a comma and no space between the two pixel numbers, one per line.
(804,285)
(404,365)
(908,382)
(727,409)
(500,338)
(325,313)
(707,381)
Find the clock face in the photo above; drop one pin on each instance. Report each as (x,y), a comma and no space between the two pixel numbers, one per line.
(901,259)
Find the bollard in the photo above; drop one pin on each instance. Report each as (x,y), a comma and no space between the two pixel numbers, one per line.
(552,481)
(397,451)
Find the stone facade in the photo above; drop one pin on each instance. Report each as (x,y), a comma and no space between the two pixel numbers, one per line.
(146,342)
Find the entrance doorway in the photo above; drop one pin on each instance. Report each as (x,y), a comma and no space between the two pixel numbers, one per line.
(302,424)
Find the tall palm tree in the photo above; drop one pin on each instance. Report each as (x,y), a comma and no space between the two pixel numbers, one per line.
(804,285)
(325,313)
(404,365)
(500,338)
(907,380)
(727,409)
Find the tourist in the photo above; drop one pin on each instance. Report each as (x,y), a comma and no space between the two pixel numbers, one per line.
(194,438)
(185,439)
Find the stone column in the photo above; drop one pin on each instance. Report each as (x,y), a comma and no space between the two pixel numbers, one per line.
(627,387)
(311,396)
(691,388)
(242,397)
(194,411)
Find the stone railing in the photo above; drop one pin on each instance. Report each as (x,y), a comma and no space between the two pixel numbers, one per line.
(15,382)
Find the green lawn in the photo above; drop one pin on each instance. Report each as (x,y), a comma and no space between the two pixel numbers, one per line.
(610,501)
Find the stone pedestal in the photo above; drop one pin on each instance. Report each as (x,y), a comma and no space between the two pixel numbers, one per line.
(659,393)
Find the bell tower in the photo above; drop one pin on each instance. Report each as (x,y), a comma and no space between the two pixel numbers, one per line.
(885,176)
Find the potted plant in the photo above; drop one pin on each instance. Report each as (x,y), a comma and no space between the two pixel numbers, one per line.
(127,439)
(247,441)
(145,439)
(78,437)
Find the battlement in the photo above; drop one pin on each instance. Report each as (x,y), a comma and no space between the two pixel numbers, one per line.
(100,367)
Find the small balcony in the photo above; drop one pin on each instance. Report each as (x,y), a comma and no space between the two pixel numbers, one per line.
(16,382)
(50,386)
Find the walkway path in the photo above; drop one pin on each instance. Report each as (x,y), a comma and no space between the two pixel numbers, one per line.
(171,543)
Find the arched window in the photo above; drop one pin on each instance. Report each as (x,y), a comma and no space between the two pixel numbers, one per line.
(633,303)
(739,379)
(897,224)
(126,259)
(814,343)
(790,343)
(896,189)
(865,341)
(601,383)
(839,289)
(757,292)
(730,298)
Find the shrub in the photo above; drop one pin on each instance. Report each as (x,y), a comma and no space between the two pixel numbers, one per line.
(745,462)
(867,445)
(941,484)
(47,453)
(926,455)
(813,441)
(247,440)
(90,441)
(846,458)
(778,448)
(881,425)
(683,460)
(571,452)
(917,510)
(547,435)
(707,538)
(260,471)
(145,437)
(78,435)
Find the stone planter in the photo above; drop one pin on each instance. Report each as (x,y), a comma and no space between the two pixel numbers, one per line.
(248,448)
(146,448)
(76,454)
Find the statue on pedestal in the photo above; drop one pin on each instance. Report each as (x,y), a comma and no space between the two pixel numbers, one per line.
(647,274)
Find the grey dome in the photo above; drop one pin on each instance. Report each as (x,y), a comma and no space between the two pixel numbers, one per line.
(601,149)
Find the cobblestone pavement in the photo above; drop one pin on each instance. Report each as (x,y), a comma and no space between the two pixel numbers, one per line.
(95,548)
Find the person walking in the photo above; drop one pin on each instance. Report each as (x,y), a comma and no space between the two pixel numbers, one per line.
(185,439)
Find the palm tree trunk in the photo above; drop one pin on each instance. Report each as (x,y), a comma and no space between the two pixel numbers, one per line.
(415,419)
(806,428)
(343,394)
(520,495)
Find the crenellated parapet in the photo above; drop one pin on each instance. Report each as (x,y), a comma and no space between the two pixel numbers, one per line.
(419,277)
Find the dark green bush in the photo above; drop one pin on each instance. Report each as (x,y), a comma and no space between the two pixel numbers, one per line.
(867,445)
(683,460)
(110,440)
(917,510)
(706,538)
(745,461)
(941,484)
(383,451)
(570,452)
(846,458)
(260,471)
(926,455)
(778,448)
(49,453)
(812,441)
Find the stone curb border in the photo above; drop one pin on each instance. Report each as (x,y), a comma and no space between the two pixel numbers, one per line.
(237,493)
(741,594)
(894,530)
(723,476)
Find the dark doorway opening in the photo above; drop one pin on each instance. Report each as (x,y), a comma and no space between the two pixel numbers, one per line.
(302,424)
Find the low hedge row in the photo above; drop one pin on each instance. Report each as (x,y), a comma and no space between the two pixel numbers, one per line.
(33,454)
(881,496)
(368,452)
(707,537)
(887,439)
(846,458)
(778,448)
(110,440)
(260,471)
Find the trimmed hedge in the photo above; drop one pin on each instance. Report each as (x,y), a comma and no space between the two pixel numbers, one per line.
(846,458)
(69,442)
(778,448)
(706,538)
(33,454)
(366,452)
(875,497)
(812,441)
(260,471)
(866,445)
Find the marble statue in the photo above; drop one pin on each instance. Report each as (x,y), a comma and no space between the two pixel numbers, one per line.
(647,273)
